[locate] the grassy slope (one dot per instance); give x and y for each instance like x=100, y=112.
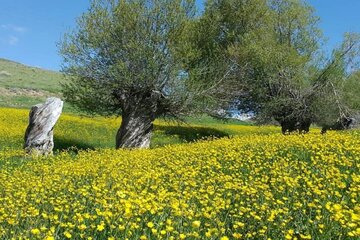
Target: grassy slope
x=23, y=86
x=16, y=75
x=100, y=132
x=254, y=186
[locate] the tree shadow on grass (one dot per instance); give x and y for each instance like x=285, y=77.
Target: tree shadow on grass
x=61, y=144
x=190, y=133
x=184, y=133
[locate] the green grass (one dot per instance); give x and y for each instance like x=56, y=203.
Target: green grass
x=75, y=132
x=208, y=120
x=23, y=86
x=16, y=75
x=19, y=101
x=270, y=186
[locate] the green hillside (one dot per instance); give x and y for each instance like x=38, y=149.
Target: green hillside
x=23, y=86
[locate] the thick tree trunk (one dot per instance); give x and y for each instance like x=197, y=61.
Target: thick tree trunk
x=302, y=126
x=341, y=124
x=135, y=130
x=138, y=114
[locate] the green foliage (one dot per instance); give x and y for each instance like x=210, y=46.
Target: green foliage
x=351, y=90
x=124, y=50
x=336, y=87
x=277, y=59
x=272, y=49
x=223, y=26
x=266, y=48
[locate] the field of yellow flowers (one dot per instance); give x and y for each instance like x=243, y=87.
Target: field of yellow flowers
x=257, y=184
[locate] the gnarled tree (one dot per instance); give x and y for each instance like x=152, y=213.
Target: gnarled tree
x=281, y=59
x=335, y=87
x=280, y=72
x=124, y=58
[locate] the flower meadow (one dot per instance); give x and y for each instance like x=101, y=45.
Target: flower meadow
x=253, y=183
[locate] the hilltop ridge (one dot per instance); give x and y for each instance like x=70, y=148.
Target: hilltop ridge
x=22, y=86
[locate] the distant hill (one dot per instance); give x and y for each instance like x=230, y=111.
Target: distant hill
x=22, y=86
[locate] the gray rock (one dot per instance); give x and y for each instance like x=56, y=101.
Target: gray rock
x=39, y=133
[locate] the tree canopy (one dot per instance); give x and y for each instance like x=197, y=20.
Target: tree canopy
x=124, y=47
x=281, y=71
x=143, y=59
x=129, y=58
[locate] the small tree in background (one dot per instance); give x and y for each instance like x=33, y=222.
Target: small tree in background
x=269, y=45
x=280, y=70
x=336, y=86
x=224, y=25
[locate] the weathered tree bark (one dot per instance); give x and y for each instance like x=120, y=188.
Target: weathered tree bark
x=135, y=130
x=302, y=126
x=39, y=133
x=293, y=124
x=138, y=114
x=342, y=123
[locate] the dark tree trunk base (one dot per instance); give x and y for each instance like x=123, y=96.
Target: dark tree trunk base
x=342, y=124
x=295, y=126
x=135, y=132
x=138, y=114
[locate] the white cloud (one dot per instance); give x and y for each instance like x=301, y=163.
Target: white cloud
x=9, y=40
x=13, y=28
x=12, y=40
x=11, y=34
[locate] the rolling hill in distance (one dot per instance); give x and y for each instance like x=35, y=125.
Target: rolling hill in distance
x=22, y=86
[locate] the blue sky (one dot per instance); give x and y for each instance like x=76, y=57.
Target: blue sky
x=30, y=29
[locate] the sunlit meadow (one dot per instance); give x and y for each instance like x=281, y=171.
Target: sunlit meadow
x=251, y=183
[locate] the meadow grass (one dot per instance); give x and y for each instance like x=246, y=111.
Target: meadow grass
x=83, y=132
x=16, y=75
x=253, y=183
x=22, y=86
